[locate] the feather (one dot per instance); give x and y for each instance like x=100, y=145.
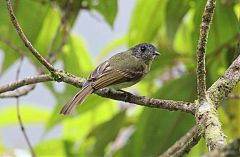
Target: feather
x=78, y=98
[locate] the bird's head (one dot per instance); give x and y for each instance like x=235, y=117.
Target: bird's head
x=145, y=51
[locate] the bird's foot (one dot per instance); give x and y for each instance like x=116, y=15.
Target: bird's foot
x=126, y=95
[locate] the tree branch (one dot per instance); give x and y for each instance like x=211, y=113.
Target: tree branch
x=218, y=91
x=201, y=49
x=188, y=146
x=224, y=85
x=206, y=115
x=27, y=81
x=25, y=40
x=18, y=93
x=232, y=149
x=149, y=102
x=116, y=95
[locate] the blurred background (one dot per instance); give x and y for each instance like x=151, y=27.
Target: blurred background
x=77, y=36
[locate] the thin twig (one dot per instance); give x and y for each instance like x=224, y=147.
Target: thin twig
x=25, y=40
x=188, y=146
x=201, y=49
x=19, y=114
x=27, y=81
x=18, y=93
x=181, y=142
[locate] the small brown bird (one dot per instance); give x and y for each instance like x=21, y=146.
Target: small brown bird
x=120, y=71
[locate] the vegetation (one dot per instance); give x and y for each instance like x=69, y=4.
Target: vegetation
x=106, y=127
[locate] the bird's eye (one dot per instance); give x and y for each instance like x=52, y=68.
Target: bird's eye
x=143, y=48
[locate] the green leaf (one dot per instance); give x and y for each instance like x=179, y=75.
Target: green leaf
x=199, y=150
x=156, y=130
x=80, y=125
x=8, y=59
x=176, y=89
x=106, y=133
x=175, y=11
x=225, y=23
x=76, y=57
x=183, y=42
x=217, y=67
x=108, y=8
x=48, y=31
x=29, y=113
x=28, y=23
x=68, y=145
x=49, y=148
x=147, y=19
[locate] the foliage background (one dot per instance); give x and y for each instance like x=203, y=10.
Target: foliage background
x=103, y=127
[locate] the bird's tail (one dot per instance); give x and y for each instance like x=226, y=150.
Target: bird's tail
x=78, y=98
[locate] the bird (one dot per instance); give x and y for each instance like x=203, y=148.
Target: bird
x=122, y=70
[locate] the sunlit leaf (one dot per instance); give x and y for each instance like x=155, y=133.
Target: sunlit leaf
x=175, y=11
x=199, y=149
x=53, y=147
x=29, y=113
x=147, y=18
x=80, y=125
x=48, y=31
x=93, y=104
x=106, y=133
x=76, y=57
x=183, y=42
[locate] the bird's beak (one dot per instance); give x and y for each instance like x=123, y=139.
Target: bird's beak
x=156, y=53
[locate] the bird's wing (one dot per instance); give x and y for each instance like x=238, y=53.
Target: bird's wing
x=105, y=75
